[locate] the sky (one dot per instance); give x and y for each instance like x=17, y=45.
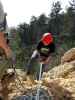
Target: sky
x=19, y=11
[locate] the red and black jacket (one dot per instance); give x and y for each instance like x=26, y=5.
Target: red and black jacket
x=45, y=50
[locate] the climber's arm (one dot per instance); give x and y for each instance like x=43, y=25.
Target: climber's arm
x=34, y=56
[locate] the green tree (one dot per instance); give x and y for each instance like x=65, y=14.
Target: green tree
x=72, y=9
x=55, y=22
x=69, y=20
x=42, y=24
x=38, y=26
x=33, y=30
x=23, y=31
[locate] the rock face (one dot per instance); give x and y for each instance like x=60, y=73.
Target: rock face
x=5, y=54
x=56, y=84
x=68, y=56
x=5, y=46
x=1, y=13
x=61, y=71
x=3, y=21
x=5, y=50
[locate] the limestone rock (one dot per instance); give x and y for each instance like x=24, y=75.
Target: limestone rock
x=68, y=56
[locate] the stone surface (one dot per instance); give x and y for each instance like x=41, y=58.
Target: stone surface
x=56, y=84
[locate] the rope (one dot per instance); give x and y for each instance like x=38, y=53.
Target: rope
x=39, y=84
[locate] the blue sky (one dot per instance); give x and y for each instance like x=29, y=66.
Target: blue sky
x=21, y=10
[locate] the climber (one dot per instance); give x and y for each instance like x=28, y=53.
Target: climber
x=42, y=53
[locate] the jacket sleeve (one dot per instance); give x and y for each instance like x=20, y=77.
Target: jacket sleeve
x=35, y=55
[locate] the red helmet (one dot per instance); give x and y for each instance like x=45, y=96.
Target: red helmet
x=47, y=38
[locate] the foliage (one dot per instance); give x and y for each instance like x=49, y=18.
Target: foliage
x=55, y=21
x=69, y=22
x=60, y=24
